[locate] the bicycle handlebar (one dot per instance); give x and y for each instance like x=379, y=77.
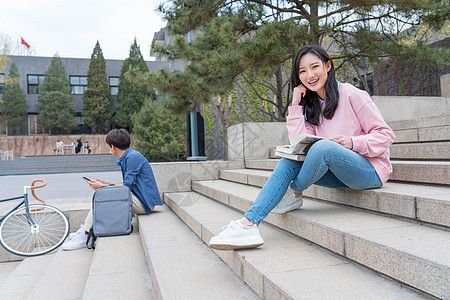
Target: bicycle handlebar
x=33, y=187
x=44, y=183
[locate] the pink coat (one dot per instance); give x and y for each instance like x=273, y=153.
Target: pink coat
x=358, y=117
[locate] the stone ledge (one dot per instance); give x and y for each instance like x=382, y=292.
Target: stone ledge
x=178, y=176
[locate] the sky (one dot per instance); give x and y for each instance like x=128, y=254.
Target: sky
x=72, y=27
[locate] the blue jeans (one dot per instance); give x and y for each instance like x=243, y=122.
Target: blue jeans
x=327, y=164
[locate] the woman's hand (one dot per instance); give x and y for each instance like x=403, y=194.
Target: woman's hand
x=298, y=94
x=343, y=140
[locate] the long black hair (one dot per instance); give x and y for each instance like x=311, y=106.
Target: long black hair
x=310, y=102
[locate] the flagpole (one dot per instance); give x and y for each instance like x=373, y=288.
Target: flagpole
x=22, y=41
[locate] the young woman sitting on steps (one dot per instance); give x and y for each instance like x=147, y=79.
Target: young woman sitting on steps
x=355, y=155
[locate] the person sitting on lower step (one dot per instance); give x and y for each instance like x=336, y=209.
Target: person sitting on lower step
x=355, y=153
x=137, y=176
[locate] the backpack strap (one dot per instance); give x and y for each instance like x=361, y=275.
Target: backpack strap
x=91, y=238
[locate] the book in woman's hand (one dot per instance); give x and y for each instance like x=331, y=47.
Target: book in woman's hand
x=296, y=157
x=300, y=146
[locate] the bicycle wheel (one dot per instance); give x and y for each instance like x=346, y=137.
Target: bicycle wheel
x=49, y=232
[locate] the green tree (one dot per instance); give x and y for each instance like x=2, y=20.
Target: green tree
x=97, y=97
x=14, y=105
x=3, y=61
x=131, y=95
x=256, y=37
x=56, y=108
x=160, y=133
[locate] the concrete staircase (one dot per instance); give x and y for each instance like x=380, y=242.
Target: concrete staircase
x=59, y=164
x=392, y=242
x=115, y=270
x=387, y=243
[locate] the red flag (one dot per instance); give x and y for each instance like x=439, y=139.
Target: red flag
x=25, y=43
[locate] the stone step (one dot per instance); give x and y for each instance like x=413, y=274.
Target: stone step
x=65, y=277
x=435, y=172
x=420, y=135
x=406, y=251
x=421, y=151
x=423, y=203
x=286, y=266
x=119, y=270
x=427, y=129
x=7, y=268
x=21, y=281
x=182, y=266
x=262, y=163
x=423, y=122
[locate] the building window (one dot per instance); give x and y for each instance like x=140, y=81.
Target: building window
x=78, y=84
x=114, y=85
x=33, y=83
x=33, y=127
x=2, y=82
x=3, y=128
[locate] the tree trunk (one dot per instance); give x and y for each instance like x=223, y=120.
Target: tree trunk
x=363, y=79
x=314, y=20
x=279, y=94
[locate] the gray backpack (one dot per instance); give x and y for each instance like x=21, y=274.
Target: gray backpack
x=111, y=209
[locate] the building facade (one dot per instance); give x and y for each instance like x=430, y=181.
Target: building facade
x=32, y=69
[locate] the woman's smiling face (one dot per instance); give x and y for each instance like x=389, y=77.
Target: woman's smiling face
x=313, y=73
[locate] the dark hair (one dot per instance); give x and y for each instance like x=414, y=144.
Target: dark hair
x=120, y=138
x=311, y=103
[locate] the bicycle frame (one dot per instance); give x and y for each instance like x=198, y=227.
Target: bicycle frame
x=45, y=229
x=24, y=201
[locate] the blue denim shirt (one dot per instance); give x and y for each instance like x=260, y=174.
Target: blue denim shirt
x=138, y=177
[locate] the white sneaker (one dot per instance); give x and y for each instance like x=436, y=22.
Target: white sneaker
x=78, y=241
x=80, y=230
x=289, y=202
x=237, y=236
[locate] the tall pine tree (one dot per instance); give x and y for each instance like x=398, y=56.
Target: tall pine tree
x=56, y=109
x=14, y=105
x=131, y=95
x=97, y=97
x=160, y=133
x=256, y=38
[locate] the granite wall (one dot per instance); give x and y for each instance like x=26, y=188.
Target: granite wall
x=27, y=145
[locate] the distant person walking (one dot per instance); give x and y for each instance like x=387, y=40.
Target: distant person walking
x=59, y=147
x=78, y=146
x=87, y=147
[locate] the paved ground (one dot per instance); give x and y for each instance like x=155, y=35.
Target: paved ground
x=59, y=186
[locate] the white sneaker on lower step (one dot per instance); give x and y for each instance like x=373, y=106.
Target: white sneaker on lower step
x=78, y=241
x=81, y=229
x=289, y=202
x=237, y=236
